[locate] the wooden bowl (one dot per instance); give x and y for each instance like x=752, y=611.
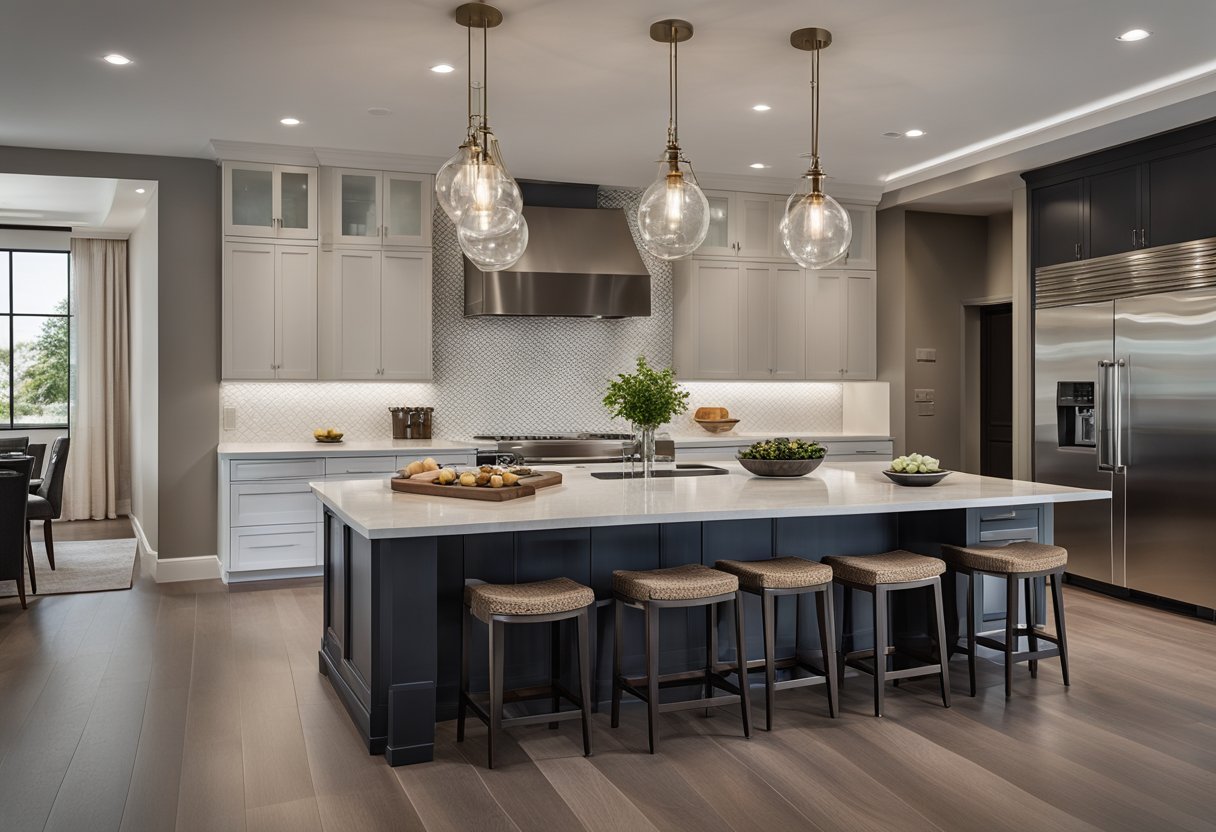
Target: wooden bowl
x=329, y=440
x=717, y=425
x=780, y=467
x=711, y=414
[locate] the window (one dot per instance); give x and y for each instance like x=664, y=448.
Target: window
x=35, y=337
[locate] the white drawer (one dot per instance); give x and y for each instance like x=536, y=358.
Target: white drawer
x=454, y=459
x=337, y=466
x=275, y=469
x=882, y=449
x=275, y=547
x=273, y=503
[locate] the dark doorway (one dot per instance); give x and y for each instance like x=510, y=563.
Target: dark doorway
x=996, y=390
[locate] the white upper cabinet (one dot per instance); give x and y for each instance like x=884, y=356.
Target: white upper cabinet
x=862, y=253
x=270, y=311
x=710, y=319
x=775, y=303
x=376, y=208
x=274, y=201
x=841, y=321
x=377, y=324
x=861, y=326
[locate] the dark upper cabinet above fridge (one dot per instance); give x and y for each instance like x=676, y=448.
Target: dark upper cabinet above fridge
x=1150, y=193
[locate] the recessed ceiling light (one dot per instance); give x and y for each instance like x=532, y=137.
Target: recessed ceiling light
x=759, y=165
x=443, y=69
x=378, y=111
x=289, y=121
x=116, y=59
x=914, y=134
x=1132, y=35
x=761, y=108
x=141, y=190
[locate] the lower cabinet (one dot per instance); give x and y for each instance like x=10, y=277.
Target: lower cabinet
x=275, y=547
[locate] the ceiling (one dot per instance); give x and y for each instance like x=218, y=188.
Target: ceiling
x=81, y=203
x=578, y=90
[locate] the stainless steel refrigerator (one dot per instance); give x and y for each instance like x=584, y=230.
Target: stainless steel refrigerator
x=1125, y=400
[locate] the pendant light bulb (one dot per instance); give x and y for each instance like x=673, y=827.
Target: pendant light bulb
x=816, y=230
x=673, y=214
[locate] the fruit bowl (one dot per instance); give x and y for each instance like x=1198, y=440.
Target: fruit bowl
x=902, y=478
x=327, y=435
x=329, y=440
x=717, y=425
x=780, y=467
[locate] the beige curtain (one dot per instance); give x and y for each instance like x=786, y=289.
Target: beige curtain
x=98, y=480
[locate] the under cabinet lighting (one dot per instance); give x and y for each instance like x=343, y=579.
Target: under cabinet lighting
x=1133, y=35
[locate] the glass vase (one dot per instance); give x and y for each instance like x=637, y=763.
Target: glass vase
x=646, y=448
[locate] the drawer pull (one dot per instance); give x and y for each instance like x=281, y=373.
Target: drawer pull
x=868, y=452
x=274, y=546
x=1009, y=515
x=1010, y=534
x=353, y=471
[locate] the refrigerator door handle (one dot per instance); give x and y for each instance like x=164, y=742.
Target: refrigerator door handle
x=1118, y=369
x=1103, y=418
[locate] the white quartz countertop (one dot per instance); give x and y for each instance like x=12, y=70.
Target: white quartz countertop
x=405, y=447
x=373, y=510
x=704, y=439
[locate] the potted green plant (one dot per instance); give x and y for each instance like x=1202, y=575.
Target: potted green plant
x=646, y=398
x=782, y=457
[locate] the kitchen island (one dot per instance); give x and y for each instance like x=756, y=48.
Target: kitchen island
x=395, y=567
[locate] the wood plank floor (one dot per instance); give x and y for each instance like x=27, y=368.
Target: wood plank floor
x=189, y=706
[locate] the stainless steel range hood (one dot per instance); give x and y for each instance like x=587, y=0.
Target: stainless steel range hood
x=580, y=262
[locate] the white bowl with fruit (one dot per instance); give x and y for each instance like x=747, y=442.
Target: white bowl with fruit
x=916, y=469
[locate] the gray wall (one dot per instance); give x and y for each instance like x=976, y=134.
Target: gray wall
x=189, y=308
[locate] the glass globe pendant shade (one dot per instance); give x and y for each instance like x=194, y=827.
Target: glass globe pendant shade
x=453, y=188
x=493, y=251
x=816, y=230
x=673, y=215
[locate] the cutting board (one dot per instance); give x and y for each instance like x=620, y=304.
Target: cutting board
x=526, y=487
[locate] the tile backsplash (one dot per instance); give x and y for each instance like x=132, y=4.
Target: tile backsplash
x=521, y=375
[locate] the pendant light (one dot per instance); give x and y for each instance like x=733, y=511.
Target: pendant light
x=474, y=187
x=816, y=230
x=673, y=216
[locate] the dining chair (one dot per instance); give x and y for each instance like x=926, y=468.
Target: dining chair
x=8, y=444
x=38, y=451
x=47, y=503
x=14, y=531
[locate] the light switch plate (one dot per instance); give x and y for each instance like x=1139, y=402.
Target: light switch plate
x=926, y=354
x=924, y=408
x=923, y=394
x=229, y=418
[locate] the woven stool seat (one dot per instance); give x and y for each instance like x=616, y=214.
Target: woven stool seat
x=777, y=573
x=676, y=583
x=1011, y=559
x=888, y=568
x=538, y=598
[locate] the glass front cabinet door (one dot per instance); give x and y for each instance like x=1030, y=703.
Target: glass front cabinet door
x=379, y=208
x=262, y=200
x=407, y=209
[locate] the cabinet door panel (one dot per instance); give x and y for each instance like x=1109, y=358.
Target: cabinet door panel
x=249, y=310
x=861, y=253
x=756, y=233
x=249, y=199
x=787, y=288
x=1180, y=198
x=296, y=311
x=357, y=291
x=718, y=312
x=357, y=199
x=405, y=315
x=1114, y=212
x=861, y=313
x=407, y=209
x=296, y=202
x=757, y=309
x=720, y=239
x=825, y=306
x=1058, y=212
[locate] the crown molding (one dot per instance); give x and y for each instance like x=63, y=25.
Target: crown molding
x=274, y=154
x=843, y=191
x=370, y=160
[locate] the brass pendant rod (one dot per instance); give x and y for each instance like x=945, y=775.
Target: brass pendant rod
x=673, y=100
x=815, y=109
x=469, y=69
x=485, y=74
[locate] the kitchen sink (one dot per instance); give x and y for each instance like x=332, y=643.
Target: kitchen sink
x=682, y=469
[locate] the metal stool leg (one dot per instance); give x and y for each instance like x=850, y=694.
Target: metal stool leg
x=768, y=603
x=555, y=667
x=462, y=699
x=711, y=648
x=943, y=653
x=1030, y=617
x=827, y=640
x=971, y=628
x=1057, y=601
x=846, y=637
x=652, y=674
x=1011, y=619
x=618, y=628
x=584, y=675
x=497, y=653
x=880, y=647
x=745, y=703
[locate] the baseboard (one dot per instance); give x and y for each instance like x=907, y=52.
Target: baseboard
x=145, y=548
x=169, y=570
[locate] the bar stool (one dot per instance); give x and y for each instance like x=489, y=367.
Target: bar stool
x=652, y=591
x=881, y=575
x=770, y=579
x=1021, y=561
x=498, y=605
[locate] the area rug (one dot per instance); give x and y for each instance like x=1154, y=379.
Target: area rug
x=80, y=566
